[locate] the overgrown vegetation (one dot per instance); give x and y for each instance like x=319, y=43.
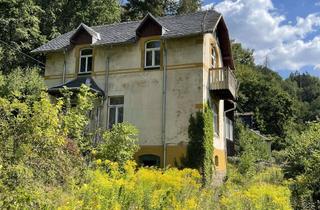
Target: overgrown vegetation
x=200, y=146
x=283, y=110
x=47, y=159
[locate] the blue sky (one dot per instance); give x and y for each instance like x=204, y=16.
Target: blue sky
x=285, y=31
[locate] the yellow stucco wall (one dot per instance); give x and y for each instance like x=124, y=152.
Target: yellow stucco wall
x=174, y=153
x=187, y=89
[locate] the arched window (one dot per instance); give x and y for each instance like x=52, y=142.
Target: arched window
x=149, y=160
x=85, y=61
x=152, y=54
x=213, y=57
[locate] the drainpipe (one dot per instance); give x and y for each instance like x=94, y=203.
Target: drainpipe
x=64, y=65
x=106, y=81
x=164, y=104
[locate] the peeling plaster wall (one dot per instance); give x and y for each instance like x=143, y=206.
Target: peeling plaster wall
x=187, y=85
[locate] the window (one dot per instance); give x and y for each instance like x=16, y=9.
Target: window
x=229, y=129
x=115, y=110
x=85, y=61
x=215, y=119
x=149, y=160
x=213, y=57
x=152, y=54
x=216, y=160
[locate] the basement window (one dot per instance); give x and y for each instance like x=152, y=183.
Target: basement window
x=85, y=61
x=149, y=160
x=152, y=54
x=115, y=110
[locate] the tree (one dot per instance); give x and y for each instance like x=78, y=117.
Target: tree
x=20, y=33
x=119, y=144
x=302, y=158
x=241, y=55
x=37, y=150
x=61, y=16
x=137, y=9
x=188, y=6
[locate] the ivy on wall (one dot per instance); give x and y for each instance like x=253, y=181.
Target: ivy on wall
x=200, y=146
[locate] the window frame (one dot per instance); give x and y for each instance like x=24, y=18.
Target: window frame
x=117, y=107
x=213, y=58
x=153, y=50
x=215, y=112
x=86, y=57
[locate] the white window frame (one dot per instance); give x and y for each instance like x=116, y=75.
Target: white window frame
x=215, y=113
x=86, y=57
x=153, y=50
x=117, y=106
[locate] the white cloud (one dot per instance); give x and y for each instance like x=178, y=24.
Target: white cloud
x=317, y=3
x=258, y=25
x=207, y=6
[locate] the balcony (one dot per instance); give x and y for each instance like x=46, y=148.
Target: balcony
x=223, y=83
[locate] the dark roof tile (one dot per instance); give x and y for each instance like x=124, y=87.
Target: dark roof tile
x=118, y=33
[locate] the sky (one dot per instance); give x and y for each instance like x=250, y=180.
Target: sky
x=287, y=32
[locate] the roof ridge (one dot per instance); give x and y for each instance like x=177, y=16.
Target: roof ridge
x=159, y=18
x=117, y=23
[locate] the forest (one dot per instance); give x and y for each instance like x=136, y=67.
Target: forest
x=47, y=161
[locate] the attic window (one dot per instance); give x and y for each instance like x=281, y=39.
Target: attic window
x=85, y=61
x=152, y=54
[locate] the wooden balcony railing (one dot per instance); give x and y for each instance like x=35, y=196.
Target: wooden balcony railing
x=223, y=80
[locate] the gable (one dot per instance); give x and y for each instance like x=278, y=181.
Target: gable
x=81, y=37
x=225, y=46
x=149, y=27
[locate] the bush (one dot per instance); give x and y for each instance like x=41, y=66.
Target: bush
x=200, y=147
x=145, y=188
x=119, y=144
x=266, y=190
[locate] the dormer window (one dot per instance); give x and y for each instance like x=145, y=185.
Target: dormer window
x=85, y=61
x=152, y=54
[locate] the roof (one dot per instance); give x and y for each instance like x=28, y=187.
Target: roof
x=119, y=33
x=76, y=84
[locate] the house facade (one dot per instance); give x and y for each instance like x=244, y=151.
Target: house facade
x=153, y=73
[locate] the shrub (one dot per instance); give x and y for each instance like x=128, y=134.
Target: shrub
x=145, y=188
x=266, y=190
x=119, y=144
x=200, y=147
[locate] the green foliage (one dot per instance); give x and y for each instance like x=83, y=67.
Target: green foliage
x=302, y=158
x=67, y=15
x=76, y=118
x=143, y=188
x=137, y=9
x=252, y=149
x=306, y=88
x=119, y=144
x=261, y=92
x=37, y=154
x=19, y=23
x=241, y=55
x=200, y=146
x=188, y=6
x=266, y=190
